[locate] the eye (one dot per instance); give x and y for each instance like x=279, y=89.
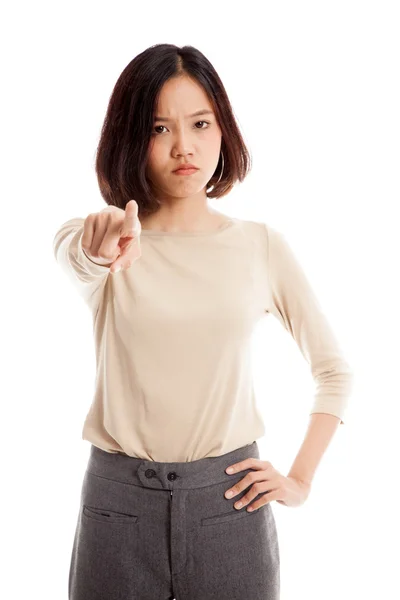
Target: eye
x=156, y=128
x=207, y=122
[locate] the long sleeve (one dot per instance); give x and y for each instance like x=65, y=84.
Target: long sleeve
x=294, y=303
x=87, y=276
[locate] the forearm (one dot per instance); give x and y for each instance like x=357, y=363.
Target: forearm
x=319, y=433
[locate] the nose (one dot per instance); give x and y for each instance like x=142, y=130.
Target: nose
x=182, y=145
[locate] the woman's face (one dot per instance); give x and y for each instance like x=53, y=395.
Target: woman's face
x=178, y=137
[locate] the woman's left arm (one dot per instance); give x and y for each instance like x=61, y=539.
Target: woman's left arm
x=294, y=303
x=318, y=435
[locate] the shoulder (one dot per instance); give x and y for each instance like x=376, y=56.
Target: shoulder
x=261, y=231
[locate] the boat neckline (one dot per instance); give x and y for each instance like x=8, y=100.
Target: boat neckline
x=227, y=225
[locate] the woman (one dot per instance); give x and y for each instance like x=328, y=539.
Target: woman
x=174, y=404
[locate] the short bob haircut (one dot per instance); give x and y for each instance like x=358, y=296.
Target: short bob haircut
x=124, y=143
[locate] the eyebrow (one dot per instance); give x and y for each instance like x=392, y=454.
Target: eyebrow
x=196, y=114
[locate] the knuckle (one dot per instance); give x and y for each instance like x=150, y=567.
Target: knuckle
x=116, y=214
x=89, y=220
x=107, y=210
x=105, y=254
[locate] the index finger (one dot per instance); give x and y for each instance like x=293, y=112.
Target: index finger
x=131, y=224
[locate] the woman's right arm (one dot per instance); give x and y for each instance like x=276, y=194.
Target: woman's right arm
x=89, y=249
x=87, y=276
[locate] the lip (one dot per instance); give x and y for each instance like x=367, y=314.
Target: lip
x=185, y=171
x=186, y=167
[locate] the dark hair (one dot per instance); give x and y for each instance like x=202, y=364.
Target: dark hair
x=124, y=143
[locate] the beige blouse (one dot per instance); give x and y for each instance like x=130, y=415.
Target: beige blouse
x=172, y=337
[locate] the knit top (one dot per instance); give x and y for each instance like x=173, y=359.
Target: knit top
x=173, y=334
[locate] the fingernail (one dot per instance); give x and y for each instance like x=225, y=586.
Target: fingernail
x=117, y=269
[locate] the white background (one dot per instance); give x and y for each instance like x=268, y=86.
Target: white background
x=315, y=89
